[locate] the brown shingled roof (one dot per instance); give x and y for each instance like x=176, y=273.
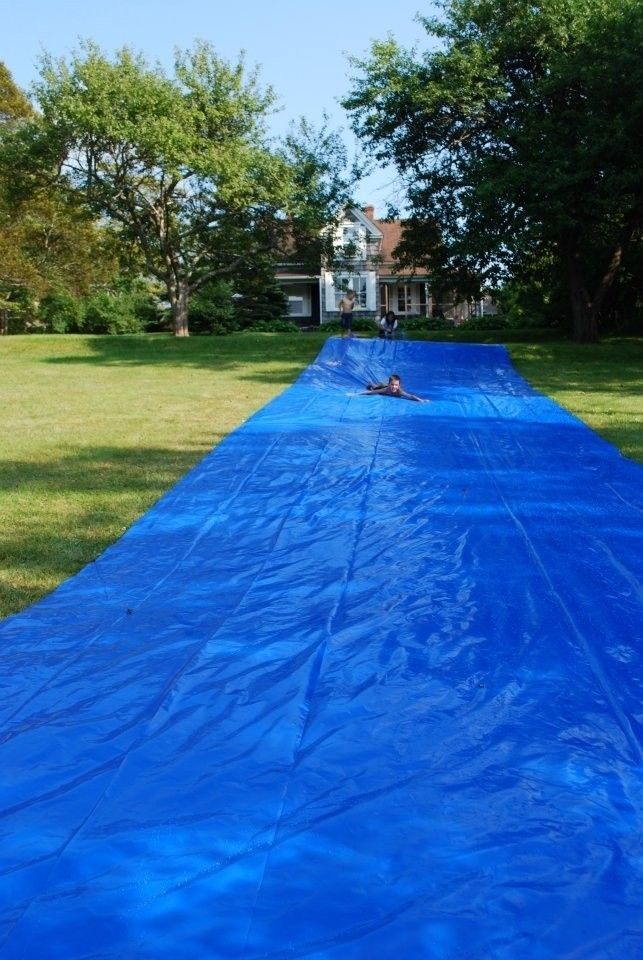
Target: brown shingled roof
x=392, y=231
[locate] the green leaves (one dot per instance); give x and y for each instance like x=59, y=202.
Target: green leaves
x=182, y=164
x=518, y=131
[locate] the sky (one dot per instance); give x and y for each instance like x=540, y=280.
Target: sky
x=302, y=48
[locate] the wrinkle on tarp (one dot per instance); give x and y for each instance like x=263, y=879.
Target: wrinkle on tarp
x=366, y=683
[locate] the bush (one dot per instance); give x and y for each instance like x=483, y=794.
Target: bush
x=359, y=324
x=112, y=313
x=532, y=304
x=19, y=313
x=258, y=296
x=211, y=309
x=274, y=326
x=62, y=313
x=485, y=323
x=425, y=323
x=146, y=306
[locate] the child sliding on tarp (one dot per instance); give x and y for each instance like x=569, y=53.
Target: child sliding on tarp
x=392, y=389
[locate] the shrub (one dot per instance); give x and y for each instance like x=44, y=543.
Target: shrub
x=359, y=324
x=62, y=313
x=485, y=323
x=425, y=323
x=274, y=326
x=18, y=313
x=258, y=297
x=112, y=313
x=211, y=309
x=146, y=306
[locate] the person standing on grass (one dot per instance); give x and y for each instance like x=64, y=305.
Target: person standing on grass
x=346, y=307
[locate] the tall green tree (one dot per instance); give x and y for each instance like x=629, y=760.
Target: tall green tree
x=183, y=165
x=16, y=273
x=519, y=136
x=48, y=240
x=14, y=103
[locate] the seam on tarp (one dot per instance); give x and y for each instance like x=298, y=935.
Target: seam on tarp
x=629, y=578
x=315, y=672
x=628, y=503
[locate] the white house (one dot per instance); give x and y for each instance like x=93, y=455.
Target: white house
x=378, y=283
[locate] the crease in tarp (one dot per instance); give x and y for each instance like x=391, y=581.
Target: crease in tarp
x=556, y=594
x=309, y=695
x=365, y=683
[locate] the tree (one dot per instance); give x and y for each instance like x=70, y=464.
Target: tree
x=48, y=242
x=519, y=137
x=14, y=104
x=182, y=164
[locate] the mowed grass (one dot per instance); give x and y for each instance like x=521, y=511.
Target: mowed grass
x=601, y=383
x=95, y=429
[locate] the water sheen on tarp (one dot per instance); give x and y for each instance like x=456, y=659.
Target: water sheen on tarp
x=367, y=683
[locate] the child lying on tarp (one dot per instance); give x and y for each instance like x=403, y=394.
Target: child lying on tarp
x=392, y=389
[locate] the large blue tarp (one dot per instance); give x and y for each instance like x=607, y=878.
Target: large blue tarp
x=367, y=683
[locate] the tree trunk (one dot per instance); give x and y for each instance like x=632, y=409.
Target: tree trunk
x=585, y=309
x=584, y=316
x=4, y=322
x=179, y=303
x=585, y=321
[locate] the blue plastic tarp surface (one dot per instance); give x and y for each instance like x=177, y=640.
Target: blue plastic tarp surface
x=367, y=683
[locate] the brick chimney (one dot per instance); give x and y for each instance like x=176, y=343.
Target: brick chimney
x=369, y=211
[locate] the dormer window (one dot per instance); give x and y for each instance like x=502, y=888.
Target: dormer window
x=355, y=236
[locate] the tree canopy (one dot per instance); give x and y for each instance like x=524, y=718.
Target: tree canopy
x=48, y=240
x=183, y=165
x=519, y=137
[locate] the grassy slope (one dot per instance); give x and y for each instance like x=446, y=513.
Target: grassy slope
x=95, y=429
x=601, y=383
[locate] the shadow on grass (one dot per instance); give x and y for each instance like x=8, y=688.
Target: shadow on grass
x=213, y=353
x=605, y=367
x=628, y=437
x=64, y=513
x=555, y=360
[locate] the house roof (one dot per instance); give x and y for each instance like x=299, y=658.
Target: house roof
x=392, y=232
x=387, y=232
x=364, y=217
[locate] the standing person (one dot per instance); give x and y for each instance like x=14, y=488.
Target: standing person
x=388, y=326
x=392, y=389
x=346, y=307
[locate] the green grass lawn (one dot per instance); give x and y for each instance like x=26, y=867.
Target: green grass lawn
x=95, y=429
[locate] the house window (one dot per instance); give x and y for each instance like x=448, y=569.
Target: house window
x=363, y=284
x=347, y=282
x=355, y=236
x=298, y=301
x=411, y=298
x=404, y=300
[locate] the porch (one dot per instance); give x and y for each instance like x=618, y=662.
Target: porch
x=406, y=298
